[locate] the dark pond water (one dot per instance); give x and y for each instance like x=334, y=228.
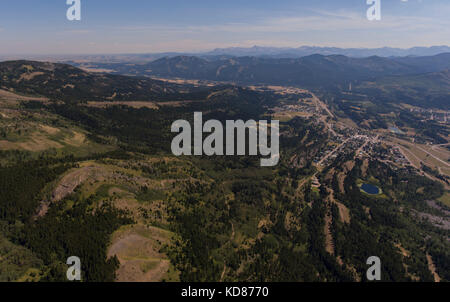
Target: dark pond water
x=370, y=189
x=396, y=130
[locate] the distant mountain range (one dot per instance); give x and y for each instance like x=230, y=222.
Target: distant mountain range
x=415, y=80
x=255, y=51
x=275, y=52
x=311, y=71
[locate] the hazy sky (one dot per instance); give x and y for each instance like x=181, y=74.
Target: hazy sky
x=141, y=26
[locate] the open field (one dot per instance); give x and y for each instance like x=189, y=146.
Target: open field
x=12, y=96
x=288, y=115
x=445, y=199
x=432, y=156
x=37, y=131
x=138, y=250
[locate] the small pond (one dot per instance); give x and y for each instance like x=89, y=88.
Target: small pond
x=396, y=130
x=370, y=189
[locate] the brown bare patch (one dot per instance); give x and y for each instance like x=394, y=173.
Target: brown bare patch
x=97, y=70
x=364, y=167
x=367, y=211
x=133, y=104
x=432, y=268
x=50, y=130
x=36, y=143
x=29, y=76
x=344, y=212
x=349, y=165
x=76, y=140
x=73, y=179
x=137, y=249
x=10, y=95
x=341, y=178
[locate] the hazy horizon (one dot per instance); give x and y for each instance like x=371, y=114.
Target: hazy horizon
x=136, y=27
x=206, y=51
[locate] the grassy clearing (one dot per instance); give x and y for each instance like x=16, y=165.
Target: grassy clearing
x=31, y=275
x=148, y=195
x=445, y=199
x=150, y=265
x=17, y=263
x=286, y=116
x=435, y=158
x=140, y=252
x=37, y=131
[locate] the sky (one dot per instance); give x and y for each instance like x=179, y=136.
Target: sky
x=151, y=26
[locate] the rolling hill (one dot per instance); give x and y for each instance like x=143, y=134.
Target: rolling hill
x=66, y=82
x=424, y=90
